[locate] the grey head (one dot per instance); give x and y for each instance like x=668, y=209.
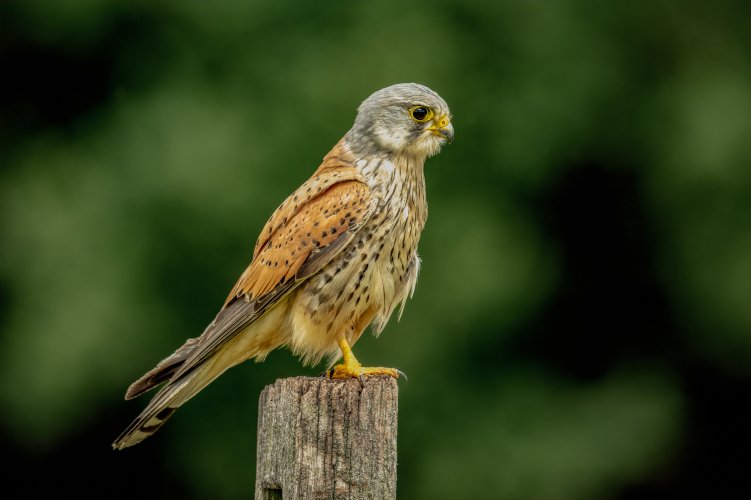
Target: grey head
x=403, y=119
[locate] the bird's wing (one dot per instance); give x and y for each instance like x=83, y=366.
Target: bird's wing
x=326, y=210
x=306, y=232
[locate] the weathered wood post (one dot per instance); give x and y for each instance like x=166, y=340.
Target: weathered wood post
x=321, y=438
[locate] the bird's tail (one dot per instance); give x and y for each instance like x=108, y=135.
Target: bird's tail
x=162, y=371
x=164, y=403
x=185, y=373
x=151, y=418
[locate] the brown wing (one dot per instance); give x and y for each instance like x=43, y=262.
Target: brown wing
x=300, y=231
x=303, y=234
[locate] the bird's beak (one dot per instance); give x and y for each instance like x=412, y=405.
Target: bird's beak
x=442, y=127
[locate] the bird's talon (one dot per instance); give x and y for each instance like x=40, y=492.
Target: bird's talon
x=344, y=371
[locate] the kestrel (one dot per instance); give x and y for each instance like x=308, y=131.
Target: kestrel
x=336, y=256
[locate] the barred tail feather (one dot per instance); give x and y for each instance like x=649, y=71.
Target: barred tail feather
x=159, y=409
x=194, y=366
x=163, y=371
x=165, y=402
x=174, y=394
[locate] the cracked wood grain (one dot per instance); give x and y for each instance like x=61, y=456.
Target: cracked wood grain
x=327, y=439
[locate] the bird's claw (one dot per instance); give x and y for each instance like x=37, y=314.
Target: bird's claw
x=345, y=371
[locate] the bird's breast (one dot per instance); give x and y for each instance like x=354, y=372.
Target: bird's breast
x=374, y=273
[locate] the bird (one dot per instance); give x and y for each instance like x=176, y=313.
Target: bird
x=338, y=255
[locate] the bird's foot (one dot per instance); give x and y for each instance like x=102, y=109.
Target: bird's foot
x=352, y=370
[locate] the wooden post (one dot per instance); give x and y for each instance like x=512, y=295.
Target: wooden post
x=333, y=439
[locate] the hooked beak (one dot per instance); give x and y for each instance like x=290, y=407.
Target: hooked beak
x=443, y=128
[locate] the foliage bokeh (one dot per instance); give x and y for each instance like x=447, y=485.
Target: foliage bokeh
x=581, y=326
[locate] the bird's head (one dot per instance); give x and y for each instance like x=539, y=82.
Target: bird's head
x=406, y=118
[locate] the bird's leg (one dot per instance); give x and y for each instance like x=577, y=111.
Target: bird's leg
x=351, y=368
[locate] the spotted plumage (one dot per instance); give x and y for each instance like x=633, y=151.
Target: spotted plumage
x=336, y=256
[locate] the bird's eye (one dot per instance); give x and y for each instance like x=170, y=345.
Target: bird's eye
x=421, y=113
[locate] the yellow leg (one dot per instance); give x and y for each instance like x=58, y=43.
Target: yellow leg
x=351, y=368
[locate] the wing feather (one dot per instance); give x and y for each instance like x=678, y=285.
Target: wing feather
x=311, y=234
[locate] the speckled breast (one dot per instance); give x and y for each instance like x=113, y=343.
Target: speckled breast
x=377, y=270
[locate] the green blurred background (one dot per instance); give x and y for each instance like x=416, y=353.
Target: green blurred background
x=581, y=328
